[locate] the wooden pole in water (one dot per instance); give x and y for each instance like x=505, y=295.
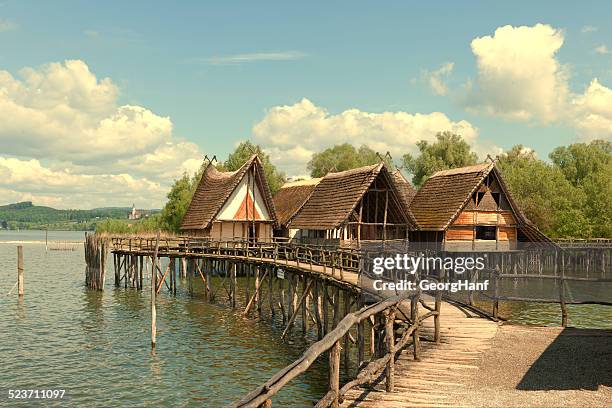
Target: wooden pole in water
x=153, y=294
x=20, y=270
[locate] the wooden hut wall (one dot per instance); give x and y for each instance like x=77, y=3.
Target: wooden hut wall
x=486, y=223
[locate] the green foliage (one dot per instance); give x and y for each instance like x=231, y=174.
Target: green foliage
x=342, y=157
x=243, y=152
x=149, y=224
x=588, y=167
x=447, y=152
x=179, y=198
x=25, y=215
x=544, y=194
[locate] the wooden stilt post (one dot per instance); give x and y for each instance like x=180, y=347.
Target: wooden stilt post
x=303, y=304
x=345, y=346
x=233, y=284
x=20, y=288
x=291, y=290
x=257, y=290
x=316, y=302
x=115, y=265
x=270, y=290
x=325, y=299
x=154, y=294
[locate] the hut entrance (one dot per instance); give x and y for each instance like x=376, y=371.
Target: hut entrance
x=253, y=232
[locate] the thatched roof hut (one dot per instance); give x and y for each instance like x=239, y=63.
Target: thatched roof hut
x=469, y=204
x=238, y=202
x=353, y=205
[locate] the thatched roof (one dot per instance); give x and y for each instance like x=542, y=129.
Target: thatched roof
x=446, y=193
x=407, y=191
x=337, y=195
x=214, y=189
x=291, y=197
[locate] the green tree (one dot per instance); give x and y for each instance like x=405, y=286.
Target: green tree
x=243, y=152
x=179, y=198
x=447, y=152
x=588, y=167
x=342, y=157
x=544, y=194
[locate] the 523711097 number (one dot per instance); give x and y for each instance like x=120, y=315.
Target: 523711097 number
x=36, y=394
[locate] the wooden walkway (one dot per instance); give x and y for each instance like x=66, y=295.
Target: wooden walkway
x=437, y=380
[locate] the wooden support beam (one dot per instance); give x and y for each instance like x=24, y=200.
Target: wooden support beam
x=300, y=304
x=254, y=297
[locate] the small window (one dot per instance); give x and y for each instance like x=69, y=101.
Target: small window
x=497, y=198
x=486, y=233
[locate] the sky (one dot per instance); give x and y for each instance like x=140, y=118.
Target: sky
x=106, y=104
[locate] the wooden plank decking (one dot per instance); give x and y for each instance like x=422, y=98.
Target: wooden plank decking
x=437, y=380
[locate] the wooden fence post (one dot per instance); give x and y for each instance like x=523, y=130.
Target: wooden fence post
x=438, y=307
x=390, y=342
x=562, y=293
x=334, y=373
x=414, y=316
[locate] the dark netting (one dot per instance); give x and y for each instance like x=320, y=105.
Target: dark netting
x=538, y=273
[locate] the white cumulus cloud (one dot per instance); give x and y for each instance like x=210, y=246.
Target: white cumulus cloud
x=292, y=133
x=436, y=79
x=519, y=76
x=70, y=125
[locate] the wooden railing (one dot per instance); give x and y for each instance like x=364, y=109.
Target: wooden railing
x=335, y=261
x=382, y=362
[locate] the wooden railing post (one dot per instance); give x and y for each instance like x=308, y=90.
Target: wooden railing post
x=390, y=342
x=437, y=308
x=334, y=373
x=562, y=293
x=496, y=272
x=414, y=317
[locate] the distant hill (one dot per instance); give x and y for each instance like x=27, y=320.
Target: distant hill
x=25, y=215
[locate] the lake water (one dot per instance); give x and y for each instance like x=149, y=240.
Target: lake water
x=95, y=345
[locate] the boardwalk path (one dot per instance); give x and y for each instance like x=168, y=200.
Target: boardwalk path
x=480, y=363
x=438, y=379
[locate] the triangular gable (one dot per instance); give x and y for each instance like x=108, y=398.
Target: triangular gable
x=241, y=206
x=247, y=210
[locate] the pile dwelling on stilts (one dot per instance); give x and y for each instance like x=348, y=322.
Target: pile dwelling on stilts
x=232, y=206
x=359, y=208
x=470, y=208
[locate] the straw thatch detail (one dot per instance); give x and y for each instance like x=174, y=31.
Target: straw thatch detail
x=406, y=190
x=291, y=197
x=214, y=189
